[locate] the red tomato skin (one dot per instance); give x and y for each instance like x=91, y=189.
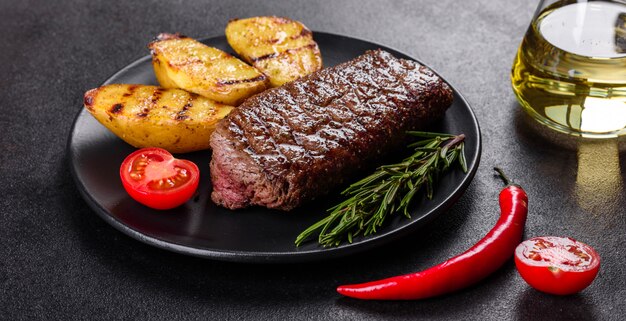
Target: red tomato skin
x=554, y=280
x=163, y=201
x=158, y=199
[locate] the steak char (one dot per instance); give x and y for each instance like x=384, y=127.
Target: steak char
x=293, y=143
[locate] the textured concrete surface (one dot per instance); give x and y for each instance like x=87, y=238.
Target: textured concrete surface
x=58, y=260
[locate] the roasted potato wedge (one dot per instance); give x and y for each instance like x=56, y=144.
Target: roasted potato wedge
x=281, y=48
x=150, y=116
x=182, y=62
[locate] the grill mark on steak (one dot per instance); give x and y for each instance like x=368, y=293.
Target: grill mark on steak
x=255, y=132
x=359, y=100
x=314, y=139
x=290, y=119
x=338, y=112
x=293, y=143
x=282, y=130
x=291, y=116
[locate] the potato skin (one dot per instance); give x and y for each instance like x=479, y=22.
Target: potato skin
x=150, y=116
x=182, y=62
x=281, y=48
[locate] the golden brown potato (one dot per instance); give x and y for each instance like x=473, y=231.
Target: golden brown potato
x=150, y=116
x=283, y=49
x=182, y=62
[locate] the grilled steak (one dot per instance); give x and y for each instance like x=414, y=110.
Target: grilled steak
x=293, y=143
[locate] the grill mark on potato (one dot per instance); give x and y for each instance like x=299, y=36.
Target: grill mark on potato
x=268, y=56
x=182, y=114
x=144, y=112
x=169, y=36
x=153, y=101
x=239, y=81
x=276, y=54
x=131, y=91
x=89, y=98
x=186, y=62
x=156, y=96
x=197, y=61
x=303, y=33
x=117, y=108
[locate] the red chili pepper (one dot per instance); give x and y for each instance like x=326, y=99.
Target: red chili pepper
x=461, y=271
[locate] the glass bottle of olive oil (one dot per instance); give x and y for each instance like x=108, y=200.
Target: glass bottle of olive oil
x=570, y=70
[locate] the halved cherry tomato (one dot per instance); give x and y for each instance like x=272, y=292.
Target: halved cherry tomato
x=153, y=177
x=557, y=265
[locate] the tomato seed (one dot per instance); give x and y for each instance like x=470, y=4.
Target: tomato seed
x=182, y=172
x=535, y=256
x=578, y=252
x=135, y=175
x=543, y=244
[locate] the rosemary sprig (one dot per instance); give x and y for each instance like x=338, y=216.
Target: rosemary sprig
x=389, y=189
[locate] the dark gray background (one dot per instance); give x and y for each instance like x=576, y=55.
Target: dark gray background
x=58, y=260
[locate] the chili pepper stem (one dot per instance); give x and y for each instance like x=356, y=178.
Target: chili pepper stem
x=506, y=180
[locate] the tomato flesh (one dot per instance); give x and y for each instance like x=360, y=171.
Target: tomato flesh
x=153, y=177
x=557, y=265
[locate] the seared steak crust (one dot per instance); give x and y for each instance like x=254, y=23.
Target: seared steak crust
x=296, y=142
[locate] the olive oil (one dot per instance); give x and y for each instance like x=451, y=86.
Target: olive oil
x=570, y=70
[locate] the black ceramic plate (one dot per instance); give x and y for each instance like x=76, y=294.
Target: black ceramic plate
x=200, y=228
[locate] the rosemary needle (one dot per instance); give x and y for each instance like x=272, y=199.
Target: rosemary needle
x=389, y=189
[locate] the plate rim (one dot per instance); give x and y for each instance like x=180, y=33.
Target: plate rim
x=282, y=257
